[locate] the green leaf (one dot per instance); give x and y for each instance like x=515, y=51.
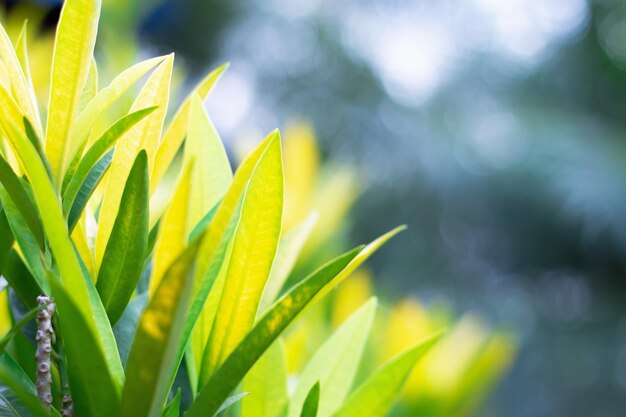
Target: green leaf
x=73, y=49
x=21, y=200
x=126, y=251
x=17, y=327
x=21, y=51
x=86, y=362
x=87, y=188
x=152, y=358
x=6, y=239
x=274, y=322
x=230, y=401
x=21, y=280
x=374, y=397
x=254, y=247
x=173, y=408
x=335, y=363
x=17, y=385
x=143, y=135
x=95, y=153
x=91, y=87
x=287, y=253
x=258, y=340
x=267, y=384
x=125, y=328
x=79, y=286
x=311, y=402
x=27, y=243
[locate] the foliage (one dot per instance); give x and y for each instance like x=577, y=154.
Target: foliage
x=158, y=311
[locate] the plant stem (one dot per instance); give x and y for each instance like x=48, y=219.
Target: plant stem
x=44, y=338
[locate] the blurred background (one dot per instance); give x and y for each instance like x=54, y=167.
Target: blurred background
x=495, y=129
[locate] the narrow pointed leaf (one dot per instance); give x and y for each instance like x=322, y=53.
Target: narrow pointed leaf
x=374, y=397
x=177, y=129
x=152, y=357
x=21, y=51
x=125, y=254
x=24, y=95
x=311, y=402
x=20, y=199
x=91, y=87
x=212, y=174
x=335, y=363
x=73, y=49
x=143, y=135
x=253, y=252
x=104, y=100
x=275, y=321
x=87, y=188
x=173, y=408
x=95, y=154
x=4, y=341
x=172, y=237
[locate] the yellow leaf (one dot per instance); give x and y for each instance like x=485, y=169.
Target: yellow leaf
x=79, y=237
x=212, y=175
x=91, y=87
x=24, y=95
x=144, y=135
x=21, y=50
x=254, y=248
x=210, y=242
x=96, y=107
x=73, y=49
x=173, y=231
x=177, y=129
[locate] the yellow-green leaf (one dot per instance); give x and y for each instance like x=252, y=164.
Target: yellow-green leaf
x=91, y=87
x=267, y=384
x=212, y=174
x=335, y=363
x=289, y=248
x=144, y=135
x=24, y=95
x=374, y=397
x=177, y=129
x=73, y=49
x=152, y=358
x=173, y=231
x=104, y=100
x=253, y=252
x=21, y=50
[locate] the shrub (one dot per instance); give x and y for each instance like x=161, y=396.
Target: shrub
x=143, y=311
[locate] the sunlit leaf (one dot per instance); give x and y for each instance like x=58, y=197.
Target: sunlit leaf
x=177, y=129
x=94, y=163
x=253, y=252
x=143, y=135
x=275, y=321
x=91, y=87
x=73, y=49
x=286, y=256
x=267, y=384
x=335, y=364
x=374, y=397
x=172, y=237
x=104, y=100
x=211, y=175
x=152, y=358
x=126, y=251
x=23, y=93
